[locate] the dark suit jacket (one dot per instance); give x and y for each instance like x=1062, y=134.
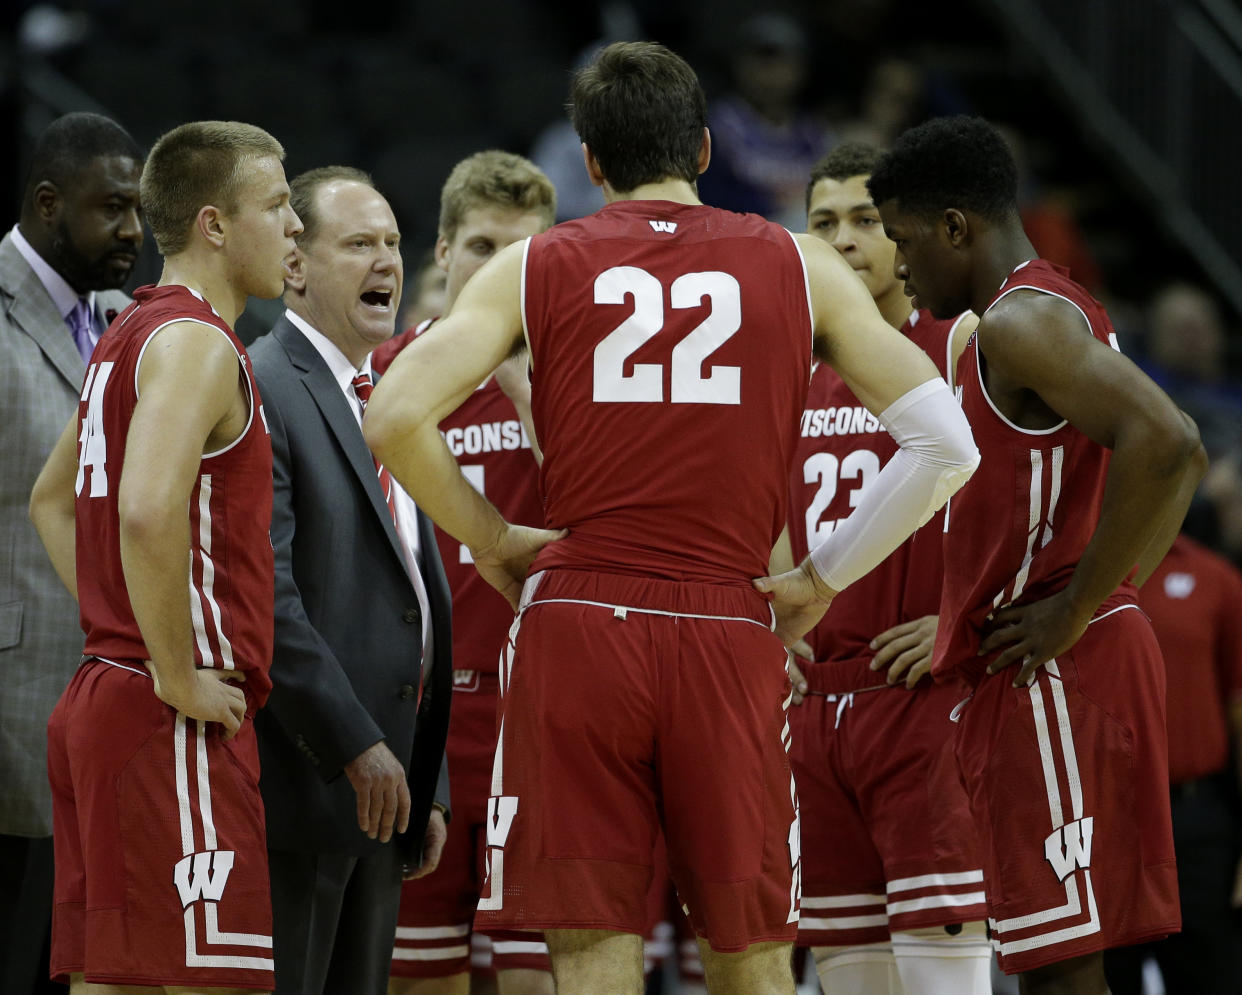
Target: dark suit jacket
x=348, y=630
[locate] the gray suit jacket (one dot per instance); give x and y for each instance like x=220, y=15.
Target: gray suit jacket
x=348, y=645
x=40, y=639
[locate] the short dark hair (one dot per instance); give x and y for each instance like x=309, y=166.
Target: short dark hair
x=196, y=164
x=302, y=193
x=641, y=111
x=846, y=160
x=71, y=142
x=949, y=162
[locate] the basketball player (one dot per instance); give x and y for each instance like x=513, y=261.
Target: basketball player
x=892, y=874
x=161, y=870
x=1087, y=469
x=490, y=200
x=642, y=686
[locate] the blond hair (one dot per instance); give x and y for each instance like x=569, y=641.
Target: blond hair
x=195, y=165
x=495, y=179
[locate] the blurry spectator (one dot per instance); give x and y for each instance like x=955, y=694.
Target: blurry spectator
x=425, y=294
x=893, y=99
x=1186, y=356
x=763, y=143
x=1194, y=600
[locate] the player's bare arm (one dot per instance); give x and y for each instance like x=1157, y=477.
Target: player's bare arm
x=429, y=379
x=52, y=505
x=1043, y=365
x=937, y=451
x=190, y=402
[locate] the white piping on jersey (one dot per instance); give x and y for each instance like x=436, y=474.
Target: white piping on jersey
x=119, y=666
x=522, y=302
x=806, y=285
x=622, y=610
x=206, y=593
x=1033, y=517
x=1039, y=290
x=1073, y=900
x=502, y=948
x=206, y=324
x=843, y=901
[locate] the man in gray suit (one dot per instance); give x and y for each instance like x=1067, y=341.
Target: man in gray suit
x=352, y=739
x=60, y=268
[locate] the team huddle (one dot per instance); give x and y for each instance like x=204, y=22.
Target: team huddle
x=797, y=570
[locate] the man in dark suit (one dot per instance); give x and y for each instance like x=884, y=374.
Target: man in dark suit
x=352, y=739
x=60, y=270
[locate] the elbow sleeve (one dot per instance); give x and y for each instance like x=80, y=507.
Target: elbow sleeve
x=937, y=456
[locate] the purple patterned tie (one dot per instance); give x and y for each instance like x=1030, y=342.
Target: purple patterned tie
x=81, y=324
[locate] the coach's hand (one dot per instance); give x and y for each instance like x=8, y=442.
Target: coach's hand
x=799, y=599
x=383, y=794
x=1032, y=634
x=906, y=649
x=433, y=847
x=211, y=695
x=504, y=562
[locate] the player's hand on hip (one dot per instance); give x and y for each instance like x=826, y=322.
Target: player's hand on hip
x=383, y=794
x=799, y=599
x=433, y=847
x=211, y=696
x=800, y=650
x=504, y=563
x=1032, y=634
x=906, y=649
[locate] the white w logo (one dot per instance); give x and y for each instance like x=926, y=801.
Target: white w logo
x=667, y=226
x=207, y=879
x=1070, y=847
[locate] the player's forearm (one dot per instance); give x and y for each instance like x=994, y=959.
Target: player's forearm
x=1151, y=477
x=937, y=456
x=422, y=463
x=155, y=554
x=53, y=519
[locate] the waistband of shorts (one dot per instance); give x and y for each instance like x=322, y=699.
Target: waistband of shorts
x=649, y=594
x=840, y=676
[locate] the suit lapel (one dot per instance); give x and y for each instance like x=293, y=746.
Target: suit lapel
x=332, y=404
x=31, y=309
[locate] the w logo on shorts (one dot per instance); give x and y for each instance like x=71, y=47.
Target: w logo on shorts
x=1069, y=847
x=203, y=875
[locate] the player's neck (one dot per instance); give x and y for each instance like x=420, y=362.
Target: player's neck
x=225, y=299
x=1001, y=251
x=894, y=305
x=675, y=190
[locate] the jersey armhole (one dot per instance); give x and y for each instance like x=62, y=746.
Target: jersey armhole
x=950, y=366
x=240, y=362
x=530, y=353
x=806, y=286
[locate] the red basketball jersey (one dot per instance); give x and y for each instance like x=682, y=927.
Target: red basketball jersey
x=841, y=448
x=230, y=572
x=487, y=438
x=1019, y=526
x=1194, y=601
x=671, y=351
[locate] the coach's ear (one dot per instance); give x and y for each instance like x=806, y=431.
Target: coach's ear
x=295, y=272
x=705, y=151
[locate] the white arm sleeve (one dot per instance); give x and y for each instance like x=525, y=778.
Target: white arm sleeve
x=937, y=456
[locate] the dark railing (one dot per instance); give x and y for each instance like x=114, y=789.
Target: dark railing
x=1159, y=83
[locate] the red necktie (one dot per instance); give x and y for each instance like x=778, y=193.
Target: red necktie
x=363, y=388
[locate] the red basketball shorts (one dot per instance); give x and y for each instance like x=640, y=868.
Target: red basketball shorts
x=1068, y=782
x=888, y=843
x=161, y=858
x=629, y=703
x=436, y=919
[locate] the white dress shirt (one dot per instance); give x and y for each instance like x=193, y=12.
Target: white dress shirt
x=407, y=512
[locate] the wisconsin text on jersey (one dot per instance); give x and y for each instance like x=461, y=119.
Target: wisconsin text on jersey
x=856, y=420
x=488, y=437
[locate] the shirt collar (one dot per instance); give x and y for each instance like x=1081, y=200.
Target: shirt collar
x=63, y=296
x=343, y=371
